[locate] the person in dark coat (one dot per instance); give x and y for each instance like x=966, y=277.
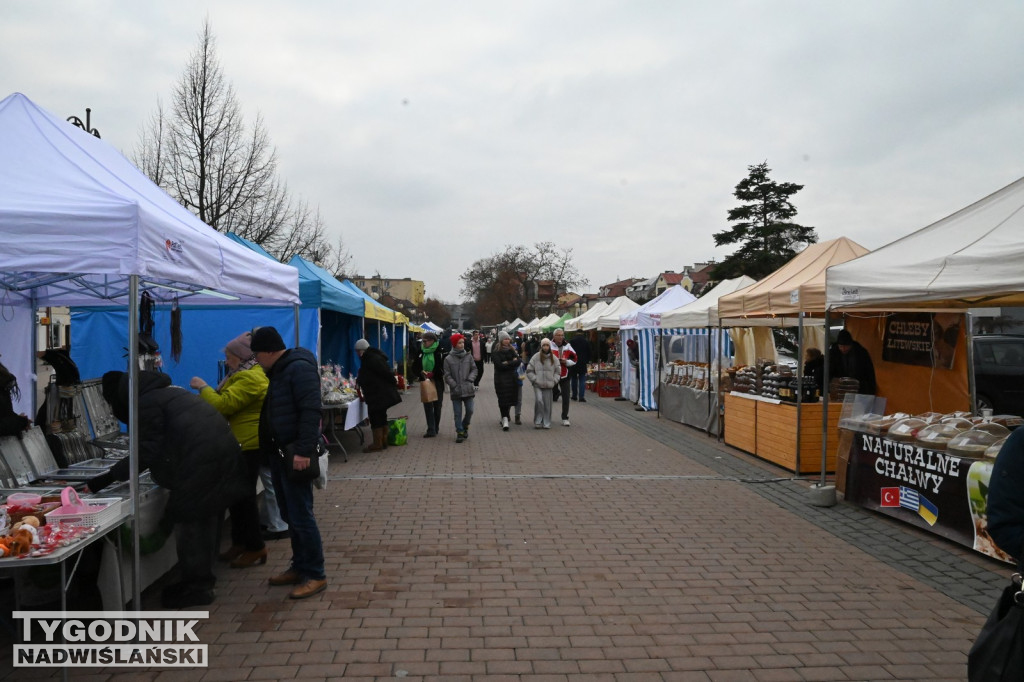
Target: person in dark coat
x=428, y=363
x=11, y=424
x=506, y=361
x=379, y=390
x=847, y=358
x=1005, y=502
x=814, y=367
x=578, y=373
x=290, y=422
x=190, y=450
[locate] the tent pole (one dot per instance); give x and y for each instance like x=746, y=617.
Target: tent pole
x=133, y=435
x=824, y=404
x=721, y=405
x=972, y=384
x=295, y=310
x=707, y=378
x=799, y=386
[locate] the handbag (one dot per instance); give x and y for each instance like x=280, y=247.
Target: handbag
x=320, y=482
x=998, y=653
x=310, y=473
x=428, y=391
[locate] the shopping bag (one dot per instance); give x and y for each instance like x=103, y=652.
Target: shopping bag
x=320, y=482
x=998, y=653
x=428, y=391
x=356, y=414
x=396, y=431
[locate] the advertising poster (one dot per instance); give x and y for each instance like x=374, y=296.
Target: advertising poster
x=939, y=492
x=924, y=339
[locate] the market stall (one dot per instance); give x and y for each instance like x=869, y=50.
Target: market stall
x=643, y=325
x=81, y=225
x=792, y=296
x=681, y=395
x=970, y=259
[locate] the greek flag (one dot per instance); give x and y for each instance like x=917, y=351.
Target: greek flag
x=909, y=499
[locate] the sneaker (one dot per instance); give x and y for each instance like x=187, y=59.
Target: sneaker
x=459, y=437
x=547, y=426
x=537, y=426
x=504, y=423
x=565, y=422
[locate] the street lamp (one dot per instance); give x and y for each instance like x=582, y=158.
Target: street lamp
x=74, y=120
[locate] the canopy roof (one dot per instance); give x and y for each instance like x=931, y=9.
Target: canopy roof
x=77, y=220
x=576, y=323
x=971, y=258
x=610, y=316
x=703, y=312
x=430, y=326
x=372, y=310
x=320, y=289
x=649, y=314
x=796, y=287
x=559, y=323
x=538, y=326
x=514, y=325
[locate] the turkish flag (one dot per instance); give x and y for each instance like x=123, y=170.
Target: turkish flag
x=890, y=497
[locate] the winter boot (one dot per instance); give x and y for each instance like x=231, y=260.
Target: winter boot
x=379, y=436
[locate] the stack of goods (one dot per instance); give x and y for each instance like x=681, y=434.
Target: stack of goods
x=981, y=440
x=775, y=382
x=745, y=380
x=24, y=530
x=335, y=388
x=692, y=374
x=840, y=386
x=957, y=433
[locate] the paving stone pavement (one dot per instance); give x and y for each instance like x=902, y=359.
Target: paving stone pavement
x=625, y=547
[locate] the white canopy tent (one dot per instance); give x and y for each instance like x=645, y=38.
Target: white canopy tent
x=610, y=316
x=576, y=323
x=82, y=225
x=642, y=325
x=649, y=314
x=538, y=326
x=703, y=312
x=969, y=259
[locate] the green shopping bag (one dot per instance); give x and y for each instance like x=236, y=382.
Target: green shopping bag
x=396, y=431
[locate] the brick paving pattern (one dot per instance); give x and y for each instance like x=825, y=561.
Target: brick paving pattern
x=623, y=548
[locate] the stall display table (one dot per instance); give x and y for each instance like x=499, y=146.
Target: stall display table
x=767, y=428
x=332, y=414
x=939, y=492
x=689, y=406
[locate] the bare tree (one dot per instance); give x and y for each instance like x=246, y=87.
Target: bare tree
x=204, y=155
x=500, y=284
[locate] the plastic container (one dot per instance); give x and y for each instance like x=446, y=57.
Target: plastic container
x=937, y=436
x=29, y=499
x=906, y=429
x=974, y=442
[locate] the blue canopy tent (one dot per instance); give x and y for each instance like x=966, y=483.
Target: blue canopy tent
x=329, y=325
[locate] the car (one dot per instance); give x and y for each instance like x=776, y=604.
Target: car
x=999, y=373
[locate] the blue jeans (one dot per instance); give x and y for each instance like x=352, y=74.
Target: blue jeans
x=578, y=384
x=460, y=423
x=296, y=502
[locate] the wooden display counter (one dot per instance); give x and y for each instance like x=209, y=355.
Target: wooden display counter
x=767, y=429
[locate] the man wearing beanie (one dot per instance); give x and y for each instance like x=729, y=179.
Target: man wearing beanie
x=847, y=358
x=290, y=421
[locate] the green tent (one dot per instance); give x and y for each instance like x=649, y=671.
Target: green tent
x=560, y=324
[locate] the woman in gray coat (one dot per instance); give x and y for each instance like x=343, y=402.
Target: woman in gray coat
x=543, y=372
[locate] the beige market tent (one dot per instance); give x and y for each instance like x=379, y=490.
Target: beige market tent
x=797, y=287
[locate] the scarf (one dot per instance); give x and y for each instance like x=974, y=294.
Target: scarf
x=248, y=364
x=429, y=361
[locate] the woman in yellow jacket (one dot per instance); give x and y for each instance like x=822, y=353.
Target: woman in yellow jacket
x=239, y=397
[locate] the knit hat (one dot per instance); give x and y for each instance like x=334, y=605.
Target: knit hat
x=503, y=335
x=456, y=338
x=844, y=338
x=362, y=344
x=266, y=340
x=240, y=346
x=545, y=342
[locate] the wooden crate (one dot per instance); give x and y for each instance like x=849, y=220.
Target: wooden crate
x=777, y=436
x=741, y=422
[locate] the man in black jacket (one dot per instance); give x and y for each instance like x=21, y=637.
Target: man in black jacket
x=189, y=449
x=847, y=358
x=578, y=373
x=291, y=421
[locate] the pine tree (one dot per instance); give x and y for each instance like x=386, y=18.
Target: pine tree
x=762, y=226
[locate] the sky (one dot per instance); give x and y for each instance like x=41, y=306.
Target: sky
x=434, y=134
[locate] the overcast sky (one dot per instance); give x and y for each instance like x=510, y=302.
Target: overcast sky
x=432, y=134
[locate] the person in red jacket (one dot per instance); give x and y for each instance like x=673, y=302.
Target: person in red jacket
x=566, y=356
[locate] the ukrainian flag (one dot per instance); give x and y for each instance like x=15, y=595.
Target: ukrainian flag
x=928, y=511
